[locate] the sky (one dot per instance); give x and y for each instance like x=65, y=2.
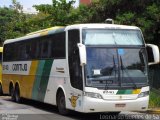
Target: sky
x=28, y=3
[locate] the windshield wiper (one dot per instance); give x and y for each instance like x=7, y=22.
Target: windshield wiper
x=123, y=68
x=113, y=69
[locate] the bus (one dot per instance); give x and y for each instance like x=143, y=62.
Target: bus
x=87, y=68
x=1, y=50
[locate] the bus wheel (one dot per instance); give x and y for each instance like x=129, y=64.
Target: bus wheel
x=11, y=92
x=1, y=91
x=17, y=94
x=61, y=103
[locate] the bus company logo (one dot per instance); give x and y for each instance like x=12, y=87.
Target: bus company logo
x=73, y=100
x=19, y=67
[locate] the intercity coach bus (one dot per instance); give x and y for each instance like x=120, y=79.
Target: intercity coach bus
x=84, y=67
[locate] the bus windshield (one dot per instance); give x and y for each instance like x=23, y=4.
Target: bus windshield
x=110, y=37
x=115, y=66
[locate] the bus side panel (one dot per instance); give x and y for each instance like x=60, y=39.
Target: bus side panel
x=0, y=72
x=41, y=80
x=24, y=76
x=5, y=83
x=27, y=81
x=37, y=79
x=58, y=78
x=44, y=79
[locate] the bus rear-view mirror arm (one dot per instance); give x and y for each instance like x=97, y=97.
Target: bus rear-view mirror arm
x=82, y=53
x=153, y=54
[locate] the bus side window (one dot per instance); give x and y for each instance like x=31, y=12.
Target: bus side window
x=0, y=57
x=12, y=52
x=33, y=49
x=8, y=53
x=39, y=47
x=22, y=51
x=28, y=51
x=74, y=62
x=49, y=55
x=45, y=49
x=58, y=46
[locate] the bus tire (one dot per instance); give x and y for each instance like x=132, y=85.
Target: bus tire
x=1, y=91
x=11, y=92
x=17, y=94
x=61, y=103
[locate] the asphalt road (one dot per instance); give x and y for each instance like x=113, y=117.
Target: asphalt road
x=32, y=110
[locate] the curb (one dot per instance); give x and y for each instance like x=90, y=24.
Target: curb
x=153, y=111
x=150, y=111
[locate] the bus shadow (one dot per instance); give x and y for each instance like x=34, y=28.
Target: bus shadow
x=40, y=105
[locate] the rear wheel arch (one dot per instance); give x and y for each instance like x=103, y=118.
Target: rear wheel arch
x=58, y=91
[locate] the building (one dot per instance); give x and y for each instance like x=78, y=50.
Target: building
x=86, y=2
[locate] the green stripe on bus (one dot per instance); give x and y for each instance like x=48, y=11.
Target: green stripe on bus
x=38, y=79
x=44, y=79
x=124, y=92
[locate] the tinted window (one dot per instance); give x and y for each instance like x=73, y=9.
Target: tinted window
x=74, y=61
x=46, y=47
x=9, y=52
x=0, y=56
x=58, y=45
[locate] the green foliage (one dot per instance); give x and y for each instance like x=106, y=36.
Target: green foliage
x=142, y=13
x=9, y=20
x=154, y=100
x=59, y=13
x=125, y=18
x=84, y=14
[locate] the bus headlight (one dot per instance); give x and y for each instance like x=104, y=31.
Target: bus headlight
x=143, y=94
x=92, y=95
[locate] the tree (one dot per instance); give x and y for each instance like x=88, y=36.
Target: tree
x=7, y=23
x=142, y=13
x=59, y=13
x=17, y=6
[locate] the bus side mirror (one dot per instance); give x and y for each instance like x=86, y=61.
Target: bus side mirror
x=82, y=53
x=153, y=54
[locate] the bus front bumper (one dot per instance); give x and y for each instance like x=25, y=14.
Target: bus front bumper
x=101, y=105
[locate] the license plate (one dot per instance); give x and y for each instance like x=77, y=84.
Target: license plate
x=120, y=105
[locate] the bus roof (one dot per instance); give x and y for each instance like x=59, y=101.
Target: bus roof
x=58, y=29
x=100, y=26
x=36, y=34
x=45, y=30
